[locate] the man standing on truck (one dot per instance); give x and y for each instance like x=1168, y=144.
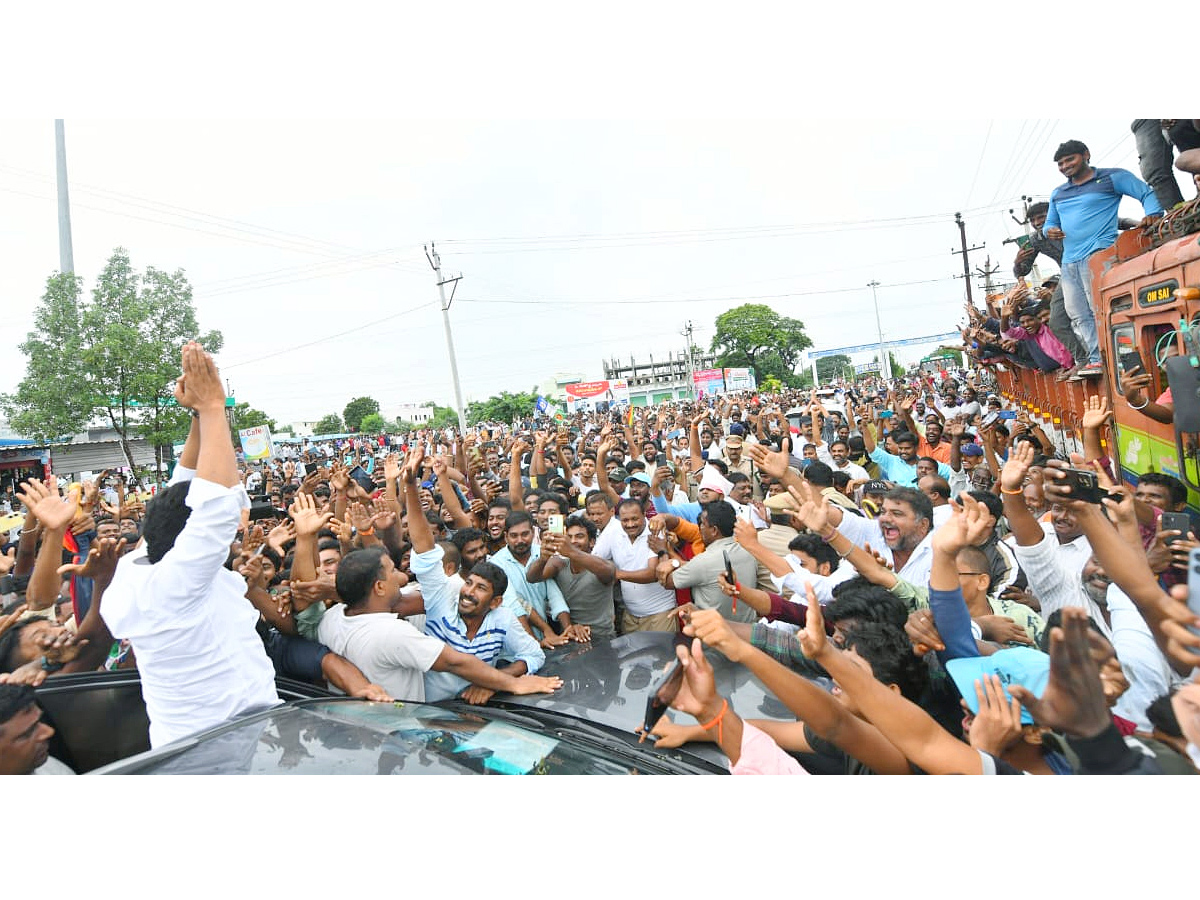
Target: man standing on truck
x=1083, y=215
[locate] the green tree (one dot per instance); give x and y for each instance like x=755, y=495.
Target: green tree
x=373, y=423
x=49, y=404
x=771, y=385
x=331, y=424
x=828, y=368
x=756, y=336
x=123, y=361
x=443, y=417
x=353, y=414
x=504, y=407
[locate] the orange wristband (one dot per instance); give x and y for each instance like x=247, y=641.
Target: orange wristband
x=370, y=531
x=717, y=720
x=1005, y=490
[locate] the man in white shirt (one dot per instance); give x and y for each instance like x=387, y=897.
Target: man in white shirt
x=837, y=457
x=648, y=605
x=193, y=631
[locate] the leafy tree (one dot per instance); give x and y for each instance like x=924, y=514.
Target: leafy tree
x=771, y=385
x=373, y=423
x=331, y=424
x=49, y=404
x=754, y=335
x=356, y=410
x=121, y=363
x=443, y=417
x=828, y=368
x=504, y=407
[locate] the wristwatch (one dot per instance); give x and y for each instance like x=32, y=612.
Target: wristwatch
x=674, y=564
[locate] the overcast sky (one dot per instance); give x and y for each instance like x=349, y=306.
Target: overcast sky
x=577, y=241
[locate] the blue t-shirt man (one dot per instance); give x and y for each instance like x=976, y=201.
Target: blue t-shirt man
x=1086, y=213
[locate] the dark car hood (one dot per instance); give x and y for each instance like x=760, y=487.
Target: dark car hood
x=608, y=683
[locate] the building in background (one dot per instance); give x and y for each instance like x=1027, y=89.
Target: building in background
x=657, y=381
x=417, y=413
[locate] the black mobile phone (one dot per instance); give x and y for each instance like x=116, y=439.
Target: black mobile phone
x=661, y=459
x=1084, y=485
x=1130, y=360
x=362, y=479
x=1177, y=521
x=780, y=518
x=663, y=693
x=728, y=568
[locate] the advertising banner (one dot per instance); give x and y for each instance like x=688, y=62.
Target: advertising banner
x=739, y=380
x=587, y=396
x=709, y=381
x=256, y=442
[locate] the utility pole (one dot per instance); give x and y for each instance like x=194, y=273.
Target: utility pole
x=691, y=380
x=986, y=273
x=66, y=257
x=435, y=262
x=885, y=371
x=965, y=251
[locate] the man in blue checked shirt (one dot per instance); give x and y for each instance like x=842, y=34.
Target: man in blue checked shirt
x=1083, y=215
x=470, y=620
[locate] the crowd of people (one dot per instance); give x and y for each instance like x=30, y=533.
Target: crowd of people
x=1051, y=326
x=925, y=579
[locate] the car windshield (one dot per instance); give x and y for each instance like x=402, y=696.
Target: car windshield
x=325, y=737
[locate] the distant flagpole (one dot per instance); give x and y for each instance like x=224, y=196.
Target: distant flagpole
x=66, y=257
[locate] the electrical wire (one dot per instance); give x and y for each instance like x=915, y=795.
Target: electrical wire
x=979, y=165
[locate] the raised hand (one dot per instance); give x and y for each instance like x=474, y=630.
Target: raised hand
x=997, y=725
x=358, y=516
x=307, y=518
x=1073, y=702
x=101, y=561
x=774, y=463
x=1096, y=412
x=383, y=516
x=54, y=512
x=391, y=467
x=252, y=570
x=278, y=536
x=200, y=386
x=813, y=642
x=1016, y=468
x=922, y=632
x=712, y=628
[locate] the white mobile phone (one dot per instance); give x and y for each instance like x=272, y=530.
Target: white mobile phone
x=554, y=524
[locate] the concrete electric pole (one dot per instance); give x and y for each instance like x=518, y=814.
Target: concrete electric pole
x=66, y=256
x=435, y=262
x=965, y=251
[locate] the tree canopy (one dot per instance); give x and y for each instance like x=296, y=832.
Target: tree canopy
x=357, y=409
x=330, y=424
x=373, y=423
x=115, y=356
x=754, y=335
x=504, y=407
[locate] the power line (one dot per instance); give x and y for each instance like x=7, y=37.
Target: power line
x=642, y=300
x=979, y=164
x=328, y=337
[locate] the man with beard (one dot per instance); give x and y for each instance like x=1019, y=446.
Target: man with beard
x=533, y=603
x=497, y=512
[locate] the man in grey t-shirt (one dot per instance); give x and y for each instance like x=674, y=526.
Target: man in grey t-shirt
x=586, y=581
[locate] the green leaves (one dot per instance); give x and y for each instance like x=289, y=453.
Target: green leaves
x=504, y=407
x=755, y=335
x=88, y=358
x=357, y=409
x=330, y=424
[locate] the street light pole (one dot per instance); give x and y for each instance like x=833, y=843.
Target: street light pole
x=885, y=371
